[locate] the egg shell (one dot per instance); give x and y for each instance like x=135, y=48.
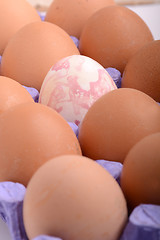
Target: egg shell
x=12, y=93
x=14, y=15
x=73, y=84
x=112, y=35
x=143, y=222
x=71, y=15
x=137, y=230
x=140, y=178
x=142, y=72
x=0, y=64
x=33, y=50
x=31, y=134
x=77, y=198
x=11, y=203
x=116, y=121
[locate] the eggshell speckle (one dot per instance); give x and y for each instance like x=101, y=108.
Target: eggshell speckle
x=112, y=35
x=31, y=134
x=73, y=84
x=140, y=178
x=74, y=198
x=116, y=121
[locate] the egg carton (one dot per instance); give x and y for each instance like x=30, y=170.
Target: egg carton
x=143, y=223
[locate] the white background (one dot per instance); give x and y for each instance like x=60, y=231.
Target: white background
x=150, y=13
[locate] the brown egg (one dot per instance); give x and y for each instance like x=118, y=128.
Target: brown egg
x=33, y=50
x=74, y=198
x=31, y=134
x=0, y=64
x=71, y=15
x=142, y=72
x=140, y=178
x=113, y=35
x=12, y=93
x=14, y=15
x=116, y=121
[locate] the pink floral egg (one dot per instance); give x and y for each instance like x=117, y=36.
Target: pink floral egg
x=73, y=84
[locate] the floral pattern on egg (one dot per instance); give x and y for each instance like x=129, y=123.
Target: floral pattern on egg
x=73, y=84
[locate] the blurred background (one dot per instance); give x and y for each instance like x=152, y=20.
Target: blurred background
x=48, y=2
x=148, y=10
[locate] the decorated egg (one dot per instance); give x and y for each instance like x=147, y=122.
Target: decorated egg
x=73, y=84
